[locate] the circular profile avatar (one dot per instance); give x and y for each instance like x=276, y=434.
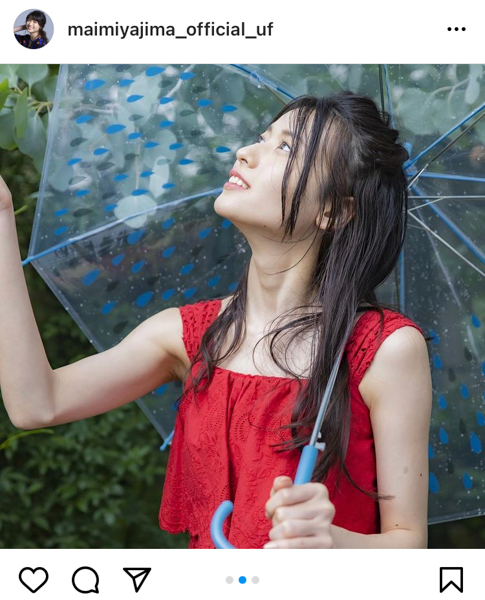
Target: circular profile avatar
x=34, y=24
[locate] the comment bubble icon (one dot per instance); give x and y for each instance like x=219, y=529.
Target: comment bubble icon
x=85, y=580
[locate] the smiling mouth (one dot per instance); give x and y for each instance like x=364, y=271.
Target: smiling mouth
x=238, y=182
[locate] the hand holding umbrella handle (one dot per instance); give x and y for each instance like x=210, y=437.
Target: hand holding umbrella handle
x=303, y=475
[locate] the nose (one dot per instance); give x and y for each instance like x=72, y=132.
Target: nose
x=247, y=154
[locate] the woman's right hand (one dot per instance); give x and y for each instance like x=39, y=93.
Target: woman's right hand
x=20, y=28
x=6, y=203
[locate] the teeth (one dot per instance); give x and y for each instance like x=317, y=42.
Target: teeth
x=238, y=181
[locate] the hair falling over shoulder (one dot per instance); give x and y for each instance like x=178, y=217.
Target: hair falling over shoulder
x=355, y=153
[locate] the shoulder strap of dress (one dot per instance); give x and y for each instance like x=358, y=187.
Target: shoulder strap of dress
x=195, y=320
x=365, y=339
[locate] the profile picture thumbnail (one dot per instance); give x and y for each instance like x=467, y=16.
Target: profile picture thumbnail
x=38, y=28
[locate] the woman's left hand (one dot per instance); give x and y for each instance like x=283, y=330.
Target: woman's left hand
x=301, y=515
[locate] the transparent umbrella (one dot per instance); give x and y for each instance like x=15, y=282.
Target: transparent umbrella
x=125, y=227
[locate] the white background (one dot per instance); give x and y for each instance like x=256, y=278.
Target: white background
x=288, y=575
x=316, y=31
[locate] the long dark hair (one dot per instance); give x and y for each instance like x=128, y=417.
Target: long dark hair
x=39, y=16
x=360, y=159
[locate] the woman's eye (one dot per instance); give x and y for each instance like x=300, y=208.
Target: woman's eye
x=260, y=137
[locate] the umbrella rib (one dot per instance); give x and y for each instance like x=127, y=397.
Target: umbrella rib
x=438, y=237
x=449, y=281
x=462, y=196
x=455, y=229
x=445, y=135
x=445, y=272
x=444, y=149
x=381, y=88
x=388, y=90
x=259, y=77
x=438, y=198
x=453, y=177
x=112, y=224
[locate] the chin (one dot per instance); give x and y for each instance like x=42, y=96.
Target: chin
x=229, y=206
x=221, y=205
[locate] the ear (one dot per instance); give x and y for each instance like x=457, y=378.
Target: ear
x=348, y=206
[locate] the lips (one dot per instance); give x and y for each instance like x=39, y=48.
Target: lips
x=237, y=174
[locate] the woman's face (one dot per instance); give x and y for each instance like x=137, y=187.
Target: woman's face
x=33, y=26
x=262, y=165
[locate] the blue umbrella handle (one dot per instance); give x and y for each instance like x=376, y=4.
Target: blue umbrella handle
x=303, y=475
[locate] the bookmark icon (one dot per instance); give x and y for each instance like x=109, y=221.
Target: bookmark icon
x=451, y=577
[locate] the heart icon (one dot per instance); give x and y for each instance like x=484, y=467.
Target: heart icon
x=33, y=581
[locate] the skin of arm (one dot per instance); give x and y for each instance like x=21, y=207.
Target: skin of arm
x=19, y=28
x=397, y=386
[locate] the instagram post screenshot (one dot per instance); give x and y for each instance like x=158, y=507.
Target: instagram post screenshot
x=242, y=300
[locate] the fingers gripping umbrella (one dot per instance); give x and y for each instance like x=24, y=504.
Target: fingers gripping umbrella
x=124, y=224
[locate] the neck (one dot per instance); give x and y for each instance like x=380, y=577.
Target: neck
x=269, y=294
x=34, y=36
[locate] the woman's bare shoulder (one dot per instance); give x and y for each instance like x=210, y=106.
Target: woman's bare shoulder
x=404, y=351
x=166, y=331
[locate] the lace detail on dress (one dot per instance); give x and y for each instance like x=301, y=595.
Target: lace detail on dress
x=223, y=448
x=195, y=319
x=365, y=340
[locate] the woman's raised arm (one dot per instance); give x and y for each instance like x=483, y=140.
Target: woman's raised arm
x=34, y=394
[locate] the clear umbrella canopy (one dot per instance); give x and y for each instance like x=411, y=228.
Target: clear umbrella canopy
x=125, y=226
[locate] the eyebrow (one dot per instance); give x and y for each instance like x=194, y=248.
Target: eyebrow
x=286, y=132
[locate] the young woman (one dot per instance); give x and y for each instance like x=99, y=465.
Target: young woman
x=321, y=199
x=34, y=25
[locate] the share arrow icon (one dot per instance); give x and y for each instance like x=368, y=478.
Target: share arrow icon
x=138, y=576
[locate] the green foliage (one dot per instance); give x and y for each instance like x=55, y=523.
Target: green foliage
x=26, y=98
x=96, y=483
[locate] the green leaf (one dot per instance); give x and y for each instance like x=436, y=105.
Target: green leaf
x=476, y=71
x=7, y=141
x=10, y=103
x=21, y=113
x=109, y=518
x=41, y=522
x=35, y=486
x=32, y=73
x=415, y=109
x=10, y=71
x=4, y=92
x=472, y=91
x=39, y=162
x=34, y=141
x=3, y=98
x=45, y=89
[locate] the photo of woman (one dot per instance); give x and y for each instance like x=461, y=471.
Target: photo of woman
x=360, y=169
x=34, y=25
x=279, y=265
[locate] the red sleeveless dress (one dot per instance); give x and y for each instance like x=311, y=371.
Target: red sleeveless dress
x=221, y=449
